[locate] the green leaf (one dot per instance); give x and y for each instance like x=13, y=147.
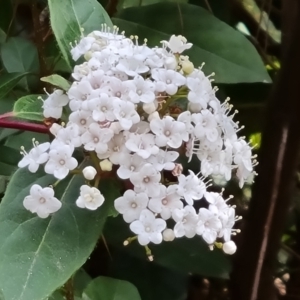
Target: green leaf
x=184, y=255
x=110, y=289
x=169, y=284
x=58, y=81
x=29, y=107
x=42, y=254
x=68, y=17
x=224, y=50
x=8, y=82
x=20, y=55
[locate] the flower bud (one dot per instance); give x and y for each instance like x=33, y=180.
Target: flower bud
x=105, y=165
x=149, y=108
x=154, y=115
x=229, y=247
x=187, y=67
x=54, y=129
x=168, y=235
x=89, y=173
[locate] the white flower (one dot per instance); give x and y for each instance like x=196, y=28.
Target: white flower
x=96, y=138
x=177, y=44
x=90, y=198
x=89, y=173
x=79, y=93
x=190, y=187
x=61, y=161
x=186, y=221
x=146, y=180
x=41, y=201
x=36, y=156
x=130, y=164
x=143, y=92
x=102, y=107
x=142, y=144
x=166, y=201
x=208, y=225
x=148, y=228
x=53, y=105
x=69, y=136
x=168, y=80
x=229, y=247
x=168, y=235
x=131, y=205
x=82, y=47
x=168, y=132
x=82, y=118
x=163, y=160
x=228, y=218
x=126, y=114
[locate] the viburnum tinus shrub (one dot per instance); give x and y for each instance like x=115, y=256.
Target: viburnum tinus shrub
x=122, y=111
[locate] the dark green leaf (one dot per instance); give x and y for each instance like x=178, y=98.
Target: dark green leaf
x=69, y=17
x=184, y=255
x=110, y=289
x=20, y=55
x=58, y=81
x=224, y=50
x=8, y=82
x=42, y=254
x=29, y=107
x=166, y=284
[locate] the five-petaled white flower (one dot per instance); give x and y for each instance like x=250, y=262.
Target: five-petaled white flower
x=90, y=198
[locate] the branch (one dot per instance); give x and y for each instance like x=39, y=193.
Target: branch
x=34, y=127
x=252, y=278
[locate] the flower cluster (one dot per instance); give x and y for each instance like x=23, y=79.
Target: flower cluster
x=121, y=113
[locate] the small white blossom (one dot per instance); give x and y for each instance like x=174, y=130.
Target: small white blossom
x=89, y=173
x=186, y=221
x=90, y=198
x=53, y=105
x=177, y=44
x=148, y=228
x=41, y=201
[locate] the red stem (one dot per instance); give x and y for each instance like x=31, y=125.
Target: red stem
x=41, y=128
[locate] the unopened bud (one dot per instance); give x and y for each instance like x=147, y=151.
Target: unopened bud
x=177, y=170
x=105, y=165
x=229, y=247
x=55, y=128
x=149, y=108
x=187, y=67
x=154, y=115
x=168, y=235
x=89, y=173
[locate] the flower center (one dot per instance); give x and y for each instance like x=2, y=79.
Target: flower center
x=104, y=108
x=116, y=148
x=168, y=81
x=139, y=92
x=164, y=201
x=184, y=220
x=146, y=179
x=122, y=114
x=88, y=198
x=96, y=140
x=83, y=97
x=133, y=205
x=82, y=121
x=167, y=132
x=96, y=86
x=132, y=168
x=148, y=229
x=42, y=200
x=62, y=162
x=118, y=94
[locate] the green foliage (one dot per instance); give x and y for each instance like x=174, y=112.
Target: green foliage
x=20, y=55
x=110, y=289
x=9, y=158
x=39, y=248
x=69, y=17
x=57, y=81
x=224, y=50
x=183, y=255
x=9, y=81
x=29, y=107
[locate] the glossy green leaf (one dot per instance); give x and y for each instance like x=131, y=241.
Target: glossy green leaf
x=110, y=289
x=9, y=81
x=42, y=254
x=20, y=55
x=69, y=17
x=57, y=81
x=29, y=107
x=225, y=51
x=184, y=255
